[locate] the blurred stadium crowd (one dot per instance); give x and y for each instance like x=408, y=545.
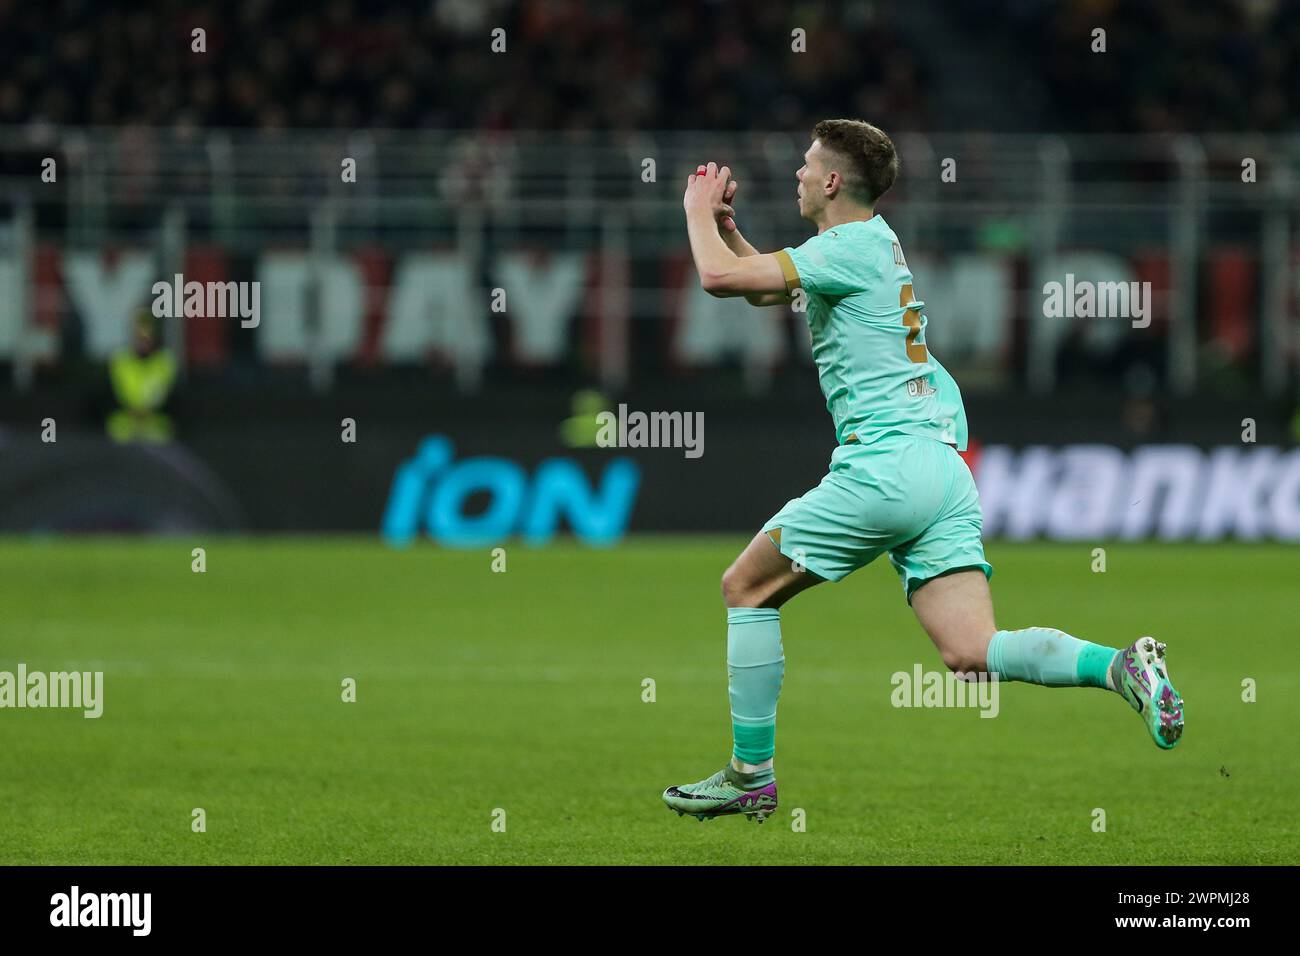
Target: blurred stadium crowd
x=377, y=63
x=1218, y=65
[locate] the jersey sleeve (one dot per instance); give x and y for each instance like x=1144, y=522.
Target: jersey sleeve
x=829, y=264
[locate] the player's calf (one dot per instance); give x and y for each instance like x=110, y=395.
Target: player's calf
x=754, y=587
x=956, y=610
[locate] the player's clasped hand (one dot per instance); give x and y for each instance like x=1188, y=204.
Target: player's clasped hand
x=712, y=188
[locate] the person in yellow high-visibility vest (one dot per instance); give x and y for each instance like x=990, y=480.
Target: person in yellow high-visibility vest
x=142, y=376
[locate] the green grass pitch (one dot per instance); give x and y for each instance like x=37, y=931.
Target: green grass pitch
x=523, y=691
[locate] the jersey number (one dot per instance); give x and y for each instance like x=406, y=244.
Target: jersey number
x=912, y=319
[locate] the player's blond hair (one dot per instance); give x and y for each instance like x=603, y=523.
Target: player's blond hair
x=869, y=152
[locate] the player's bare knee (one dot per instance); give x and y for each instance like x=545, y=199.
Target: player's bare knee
x=735, y=588
x=740, y=589
x=744, y=595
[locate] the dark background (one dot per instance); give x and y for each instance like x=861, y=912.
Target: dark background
x=215, y=162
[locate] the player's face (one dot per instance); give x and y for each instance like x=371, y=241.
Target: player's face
x=811, y=176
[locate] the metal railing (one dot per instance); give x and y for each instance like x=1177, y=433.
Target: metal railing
x=618, y=197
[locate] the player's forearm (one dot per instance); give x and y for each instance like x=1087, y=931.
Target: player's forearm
x=742, y=248
x=713, y=258
x=722, y=272
x=739, y=244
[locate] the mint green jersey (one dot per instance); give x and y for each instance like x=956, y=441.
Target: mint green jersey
x=868, y=337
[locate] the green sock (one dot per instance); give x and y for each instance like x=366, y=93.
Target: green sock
x=755, y=668
x=1044, y=655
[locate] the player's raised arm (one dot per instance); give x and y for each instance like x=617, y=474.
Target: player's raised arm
x=722, y=271
x=741, y=246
